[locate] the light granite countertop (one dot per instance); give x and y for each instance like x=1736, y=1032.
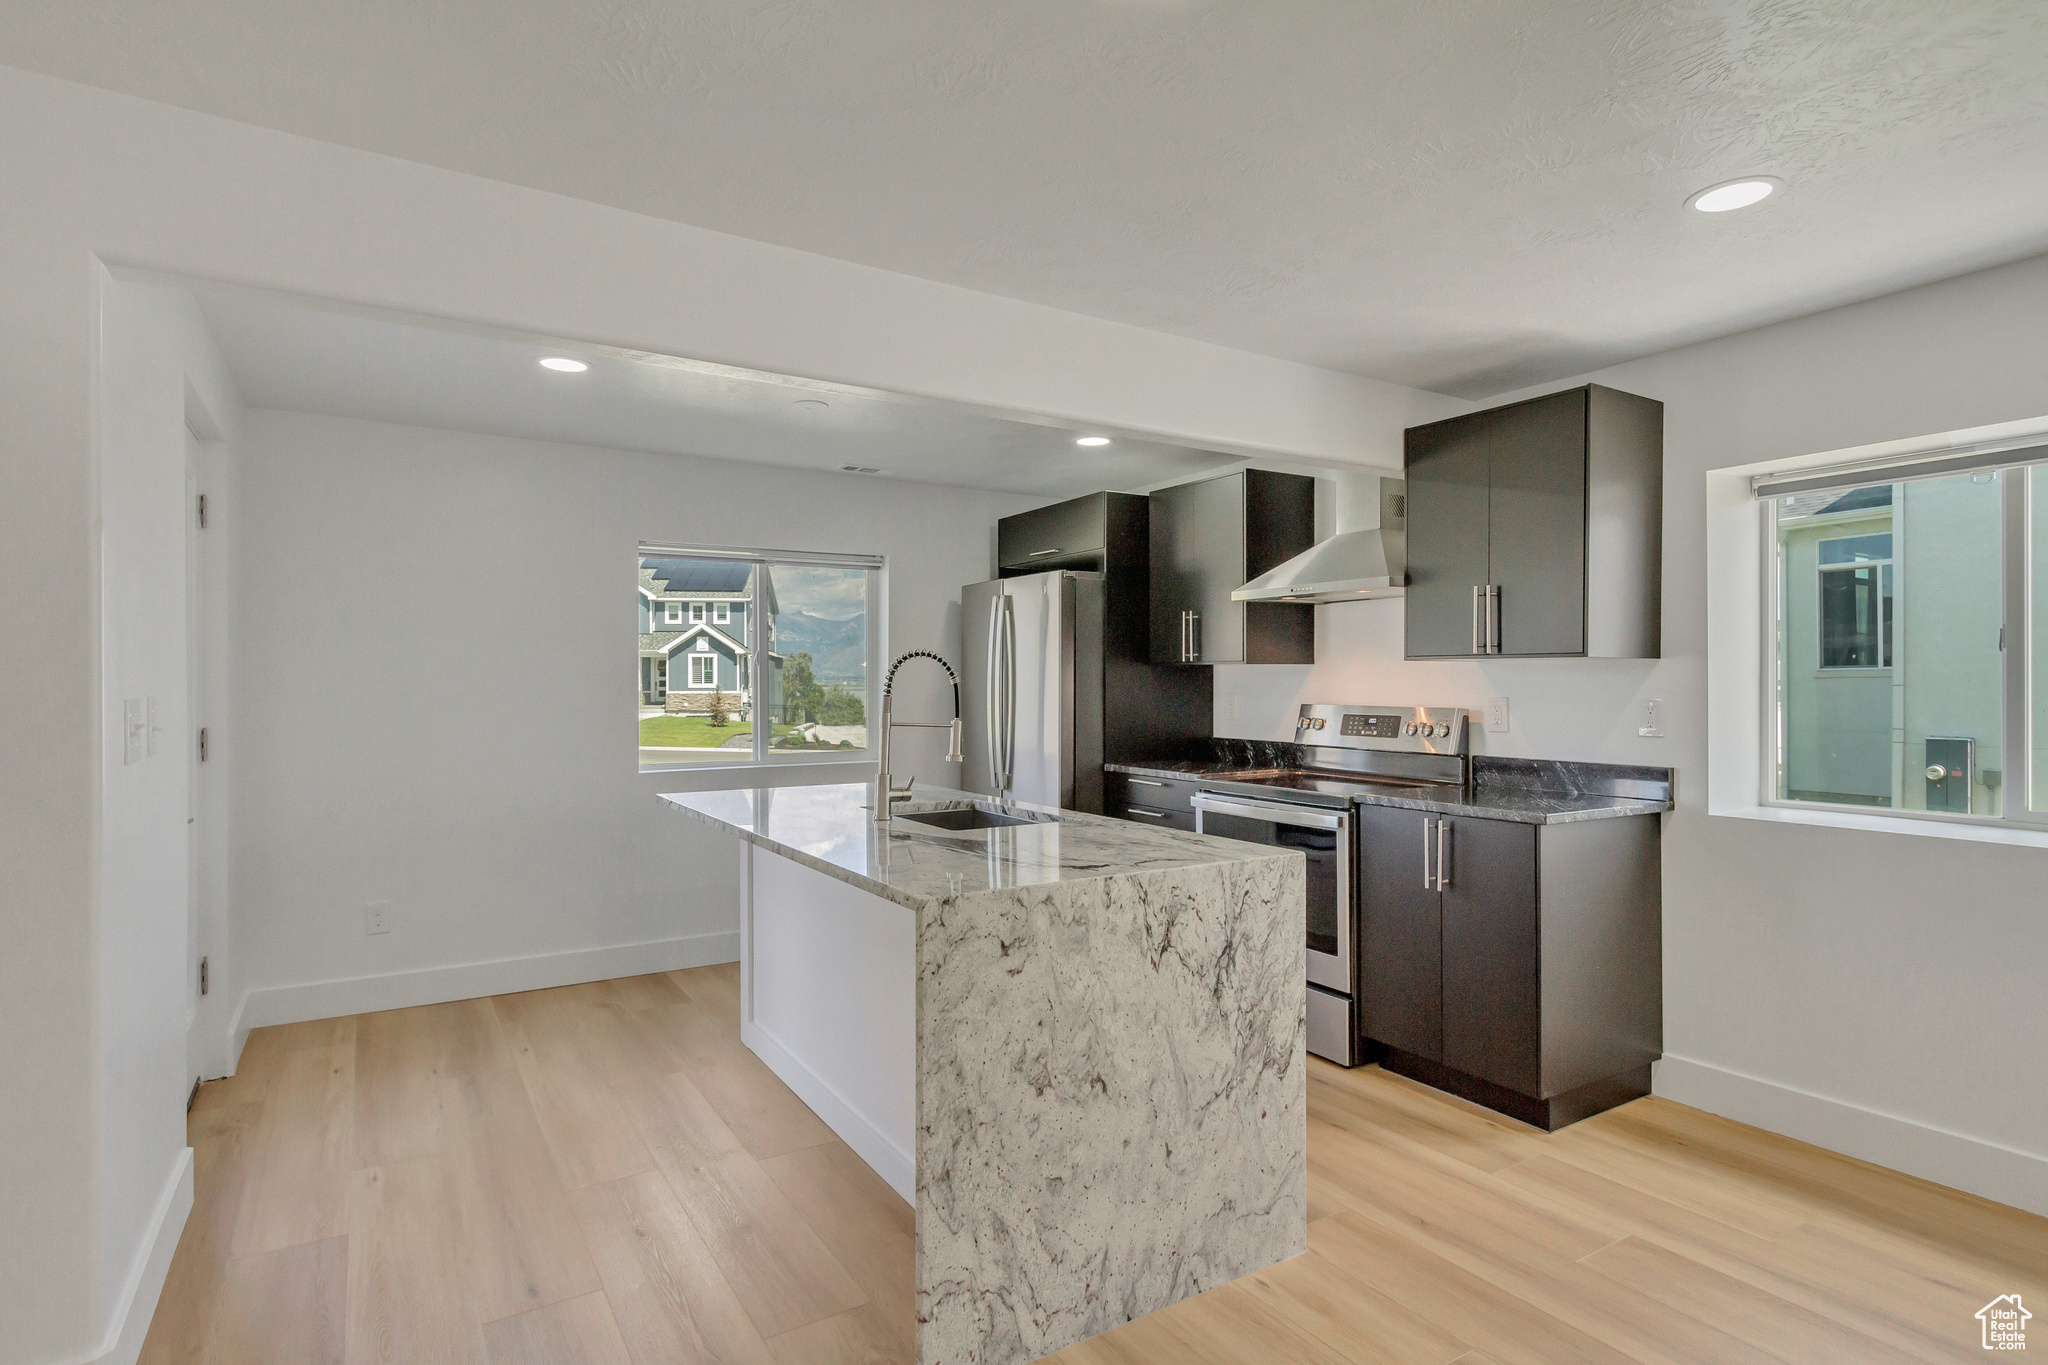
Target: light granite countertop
x=1110, y=1081
x=832, y=829
x=1522, y=803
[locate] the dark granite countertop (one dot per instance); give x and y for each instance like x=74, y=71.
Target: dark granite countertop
x=1528, y=791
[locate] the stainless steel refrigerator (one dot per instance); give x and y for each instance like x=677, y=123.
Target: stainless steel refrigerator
x=1032, y=696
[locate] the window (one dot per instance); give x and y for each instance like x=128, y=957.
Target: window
x=672, y=614
x=800, y=691
x=1856, y=602
x=1908, y=633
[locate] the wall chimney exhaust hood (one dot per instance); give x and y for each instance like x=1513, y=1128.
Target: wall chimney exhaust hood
x=1367, y=558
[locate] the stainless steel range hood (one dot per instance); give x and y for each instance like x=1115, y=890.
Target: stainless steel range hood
x=1367, y=558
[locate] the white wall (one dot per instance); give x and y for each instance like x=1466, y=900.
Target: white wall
x=434, y=662
x=1874, y=992
x=94, y=177
x=158, y=371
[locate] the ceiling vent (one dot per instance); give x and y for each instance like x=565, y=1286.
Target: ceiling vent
x=859, y=469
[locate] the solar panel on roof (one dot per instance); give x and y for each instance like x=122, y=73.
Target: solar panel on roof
x=698, y=575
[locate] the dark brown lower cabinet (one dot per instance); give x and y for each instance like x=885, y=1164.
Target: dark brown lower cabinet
x=1516, y=965
x=1491, y=1011
x=1402, y=946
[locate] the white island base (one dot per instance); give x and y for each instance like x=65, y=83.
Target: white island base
x=1077, y=1047
x=837, y=998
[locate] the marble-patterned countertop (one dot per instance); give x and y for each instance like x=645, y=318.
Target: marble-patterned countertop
x=832, y=829
x=1534, y=803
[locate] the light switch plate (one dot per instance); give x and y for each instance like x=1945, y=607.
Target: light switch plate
x=1652, y=723
x=134, y=729
x=377, y=917
x=149, y=725
x=1497, y=715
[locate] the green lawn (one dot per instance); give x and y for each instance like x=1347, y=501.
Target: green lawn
x=691, y=732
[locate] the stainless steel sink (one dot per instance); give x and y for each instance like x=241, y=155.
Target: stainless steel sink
x=974, y=817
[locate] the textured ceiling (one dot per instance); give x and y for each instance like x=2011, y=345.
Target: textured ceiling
x=1465, y=196
x=305, y=356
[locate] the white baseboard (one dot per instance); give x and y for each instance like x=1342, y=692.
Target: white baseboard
x=468, y=980
x=122, y=1342
x=2005, y=1174
x=238, y=1035
x=889, y=1161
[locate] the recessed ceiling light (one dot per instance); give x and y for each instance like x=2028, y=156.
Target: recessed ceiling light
x=564, y=364
x=1092, y=441
x=1734, y=194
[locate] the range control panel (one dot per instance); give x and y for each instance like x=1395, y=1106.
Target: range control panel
x=1411, y=729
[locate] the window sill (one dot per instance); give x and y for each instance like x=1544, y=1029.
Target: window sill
x=1985, y=833
x=717, y=777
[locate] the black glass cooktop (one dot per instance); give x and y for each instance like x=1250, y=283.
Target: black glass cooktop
x=1318, y=782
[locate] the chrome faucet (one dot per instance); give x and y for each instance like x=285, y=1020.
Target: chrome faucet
x=886, y=793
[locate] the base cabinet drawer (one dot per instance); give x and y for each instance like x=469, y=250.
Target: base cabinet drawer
x=1171, y=819
x=1153, y=793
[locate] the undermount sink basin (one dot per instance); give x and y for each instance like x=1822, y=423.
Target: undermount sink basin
x=974, y=817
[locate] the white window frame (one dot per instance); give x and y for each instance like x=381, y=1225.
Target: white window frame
x=711, y=683
x=721, y=613
x=834, y=766
x=696, y=613
x=2015, y=747
x=672, y=613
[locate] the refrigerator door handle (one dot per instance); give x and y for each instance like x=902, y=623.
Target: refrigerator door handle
x=993, y=687
x=1009, y=736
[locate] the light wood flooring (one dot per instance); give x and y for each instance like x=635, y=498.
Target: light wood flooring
x=602, y=1174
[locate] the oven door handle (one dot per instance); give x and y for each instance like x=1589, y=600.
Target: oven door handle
x=1305, y=816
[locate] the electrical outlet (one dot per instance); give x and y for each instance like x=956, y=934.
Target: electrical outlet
x=1652, y=724
x=377, y=917
x=1497, y=715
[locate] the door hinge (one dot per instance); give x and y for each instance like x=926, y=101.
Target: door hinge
x=202, y=744
x=204, y=975
x=202, y=511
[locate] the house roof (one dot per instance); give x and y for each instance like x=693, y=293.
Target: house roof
x=668, y=641
x=667, y=577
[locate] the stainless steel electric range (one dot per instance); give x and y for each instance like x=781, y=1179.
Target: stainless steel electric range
x=1347, y=752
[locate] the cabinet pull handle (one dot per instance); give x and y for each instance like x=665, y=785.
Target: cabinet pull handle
x=1040, y=554
x=1443, y=865
x=1148, y=814
x=1493, y=618
x=1144, y=782
x=1194, y=637
x=1476, y=648
x=1426, y=883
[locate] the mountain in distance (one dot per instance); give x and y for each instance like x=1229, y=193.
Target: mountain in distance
x=837, y=648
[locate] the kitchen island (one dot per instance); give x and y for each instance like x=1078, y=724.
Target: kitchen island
x=1076, y=1045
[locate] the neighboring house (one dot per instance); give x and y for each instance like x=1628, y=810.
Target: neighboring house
x=697, y=633
x=1890, y=622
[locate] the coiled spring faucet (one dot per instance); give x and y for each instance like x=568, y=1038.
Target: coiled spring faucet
x=886, y=793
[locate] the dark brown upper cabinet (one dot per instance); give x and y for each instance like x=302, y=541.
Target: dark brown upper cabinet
x=1210, y=538
x=1536, y=529
x=1103, y=532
